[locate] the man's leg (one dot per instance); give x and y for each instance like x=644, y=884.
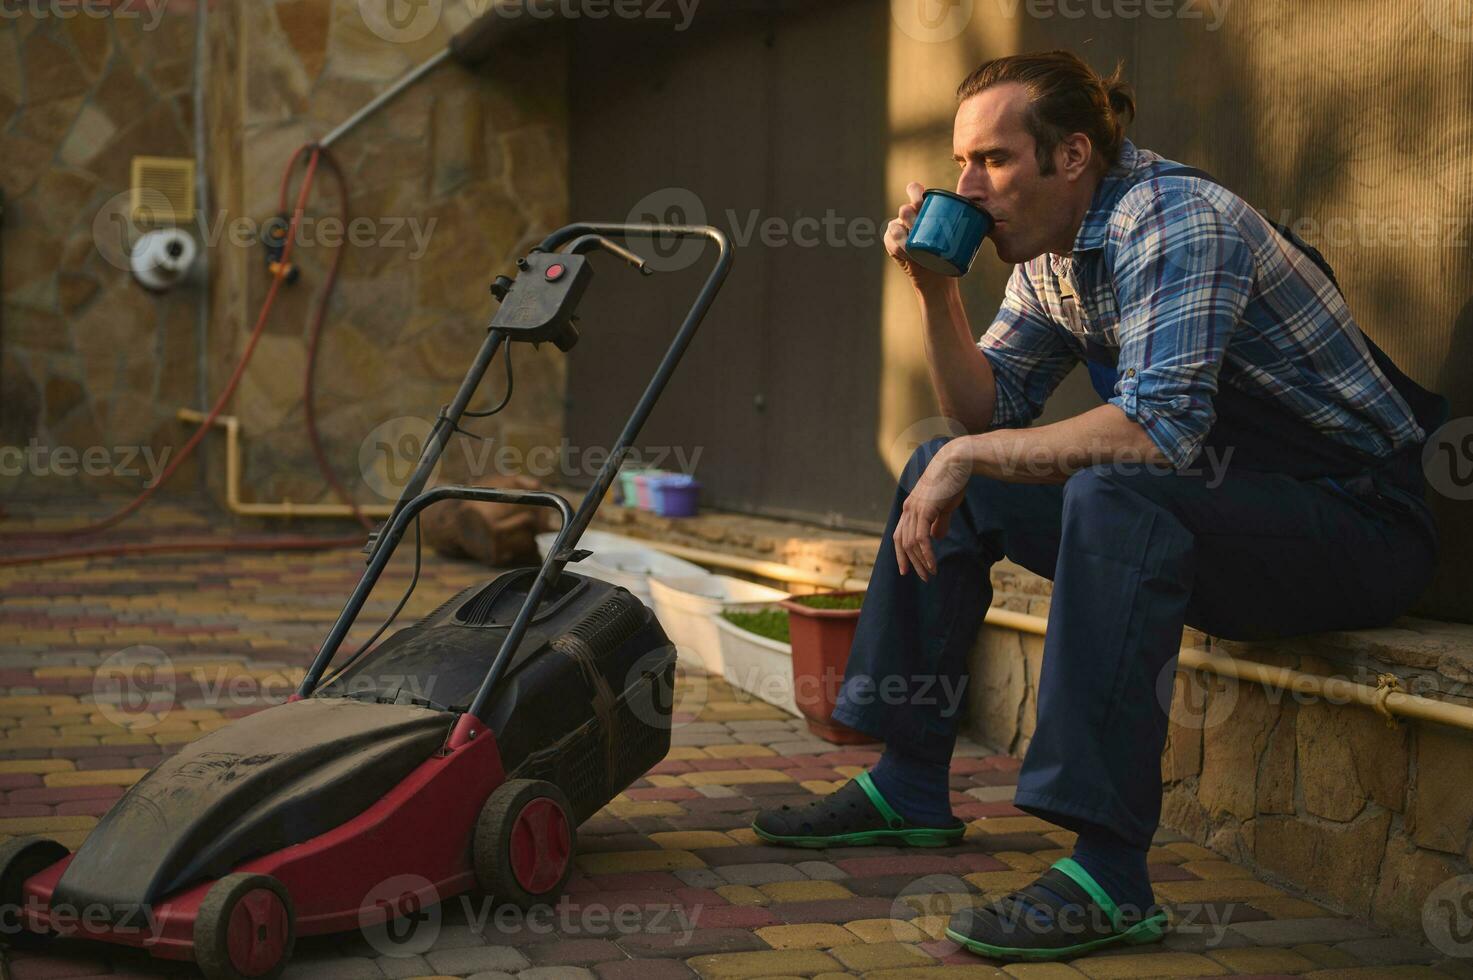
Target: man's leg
x=905, y=681
x=1141, y=554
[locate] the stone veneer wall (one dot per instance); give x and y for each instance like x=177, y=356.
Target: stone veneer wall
x=477, y=159
x=87, y=358
x=481, y=155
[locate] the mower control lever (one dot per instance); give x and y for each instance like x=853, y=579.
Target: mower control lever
x=586, y=243
x=538, y=305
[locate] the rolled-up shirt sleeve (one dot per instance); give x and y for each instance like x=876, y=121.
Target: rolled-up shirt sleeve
x=1183, y=275
x=1028, y=355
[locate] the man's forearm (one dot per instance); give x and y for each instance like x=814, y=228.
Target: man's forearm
x=1051, y=453
x=960, y=374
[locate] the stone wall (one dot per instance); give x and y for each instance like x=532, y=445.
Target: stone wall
x=88, y=360
x=473, y=163
x=1372, y=816
x=445, y=188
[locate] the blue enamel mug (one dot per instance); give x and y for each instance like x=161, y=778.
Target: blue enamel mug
x=947, y=232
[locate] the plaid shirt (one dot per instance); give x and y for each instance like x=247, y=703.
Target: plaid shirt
x=1185, y=286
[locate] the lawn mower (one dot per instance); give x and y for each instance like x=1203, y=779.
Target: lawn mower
x=461, y=752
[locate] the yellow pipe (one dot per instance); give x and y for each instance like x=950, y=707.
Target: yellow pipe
x=1332, y=689
x=776, y=571
x=285, y=508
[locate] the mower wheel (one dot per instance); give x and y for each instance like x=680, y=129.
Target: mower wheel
x=245, y=929
x=523, y=848
x=20, y=858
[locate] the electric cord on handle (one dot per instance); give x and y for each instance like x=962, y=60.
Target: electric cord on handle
x=414, y=580
x=403, y=601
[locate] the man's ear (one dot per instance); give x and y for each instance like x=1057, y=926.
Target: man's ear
x=1074, y=156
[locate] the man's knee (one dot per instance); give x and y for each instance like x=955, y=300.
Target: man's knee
x=919, y=460
x=1106, y=485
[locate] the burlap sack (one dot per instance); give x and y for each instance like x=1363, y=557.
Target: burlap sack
x=496, y=534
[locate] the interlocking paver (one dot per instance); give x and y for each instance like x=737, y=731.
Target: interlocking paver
x=675, y=849
x=1292, y=932
x=766, y=963
x=1262, y=959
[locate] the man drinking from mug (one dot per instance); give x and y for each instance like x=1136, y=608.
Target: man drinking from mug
x=1253, y=472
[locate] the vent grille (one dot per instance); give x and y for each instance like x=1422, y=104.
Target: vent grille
x=163, y=190
x=477, y=610
x=605, y=629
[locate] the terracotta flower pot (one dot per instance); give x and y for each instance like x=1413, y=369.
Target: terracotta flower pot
x=821, y=639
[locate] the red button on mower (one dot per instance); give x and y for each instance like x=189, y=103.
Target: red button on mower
x=555, y=272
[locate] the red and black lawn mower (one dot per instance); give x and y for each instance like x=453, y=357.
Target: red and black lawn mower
x=462, y=752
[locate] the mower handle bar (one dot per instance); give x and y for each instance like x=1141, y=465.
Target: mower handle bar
x=413, y=500
x=391, y=536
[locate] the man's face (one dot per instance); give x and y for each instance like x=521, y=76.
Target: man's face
x=999, y=170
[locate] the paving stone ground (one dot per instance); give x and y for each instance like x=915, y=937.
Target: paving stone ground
x=670, y=880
